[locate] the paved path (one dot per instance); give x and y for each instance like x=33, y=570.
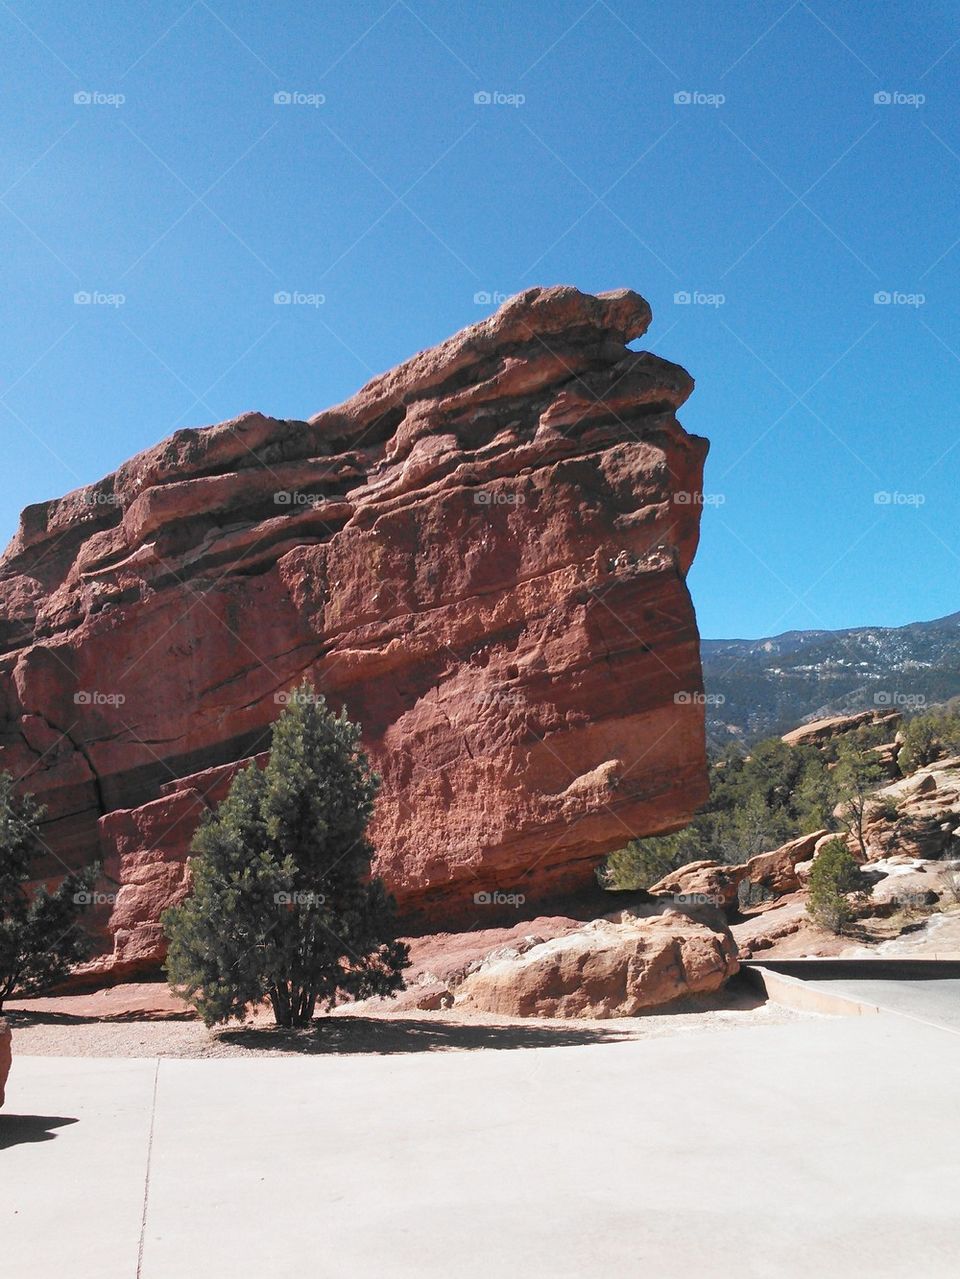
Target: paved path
x=935, y=1001
x=827, y=1147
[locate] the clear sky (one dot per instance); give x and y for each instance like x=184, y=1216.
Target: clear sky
x=781, y=197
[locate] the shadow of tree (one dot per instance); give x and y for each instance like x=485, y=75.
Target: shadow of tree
x=17, y=1130
x=388, y=1035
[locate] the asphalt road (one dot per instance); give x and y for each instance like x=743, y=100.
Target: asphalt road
x=774, y=1152
x=935, y=1001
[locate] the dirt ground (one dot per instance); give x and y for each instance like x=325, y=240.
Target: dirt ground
x=46, y=1033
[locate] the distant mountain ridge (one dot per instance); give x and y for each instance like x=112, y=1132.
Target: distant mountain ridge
x=771, y=685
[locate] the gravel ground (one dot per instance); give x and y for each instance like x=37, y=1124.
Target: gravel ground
x=349, y=1032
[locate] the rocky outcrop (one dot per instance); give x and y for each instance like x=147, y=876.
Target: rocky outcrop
x=819, y=731
x=482, y=555
x=604, y=969
x=718, y=883
x=776, y=871
x=918, y=816
x=708, y=882
x=6, y=1056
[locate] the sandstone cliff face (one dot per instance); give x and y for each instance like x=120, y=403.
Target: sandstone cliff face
x=482, y=554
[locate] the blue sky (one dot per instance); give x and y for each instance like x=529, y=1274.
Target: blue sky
x=782, y=210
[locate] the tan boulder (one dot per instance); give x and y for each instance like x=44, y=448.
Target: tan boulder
x=822, y=730
x=907, y=884
x=717, y=883
x=777, y=870
x=707, y=883
x=605, y=969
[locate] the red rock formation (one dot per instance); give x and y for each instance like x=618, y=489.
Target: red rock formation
x=482, y=554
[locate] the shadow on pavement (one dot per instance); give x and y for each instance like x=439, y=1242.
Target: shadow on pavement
x=17, y=1130
x=413, y=1035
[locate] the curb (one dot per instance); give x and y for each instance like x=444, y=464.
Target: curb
x=797, y=994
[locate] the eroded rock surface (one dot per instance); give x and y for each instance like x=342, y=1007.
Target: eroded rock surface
x=605, y=968
x=482, y=554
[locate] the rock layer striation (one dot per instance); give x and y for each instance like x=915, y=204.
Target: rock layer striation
x=482, y=554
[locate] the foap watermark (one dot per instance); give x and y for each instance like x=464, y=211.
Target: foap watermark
x=287, y=297
x=894, y=98
x=908, y=900
x=487, y=497
x=299, y=899
x=293, y=497
x=95, y=98
x=296, y=697
x=497, y=697
x=94, y=697
x=697, y=899
x=485, y=298
x=893, y=297
x=886, y=497
x=694, y=297
x=496, y=98
x=497, y=897
x=296, y=98
x=97, y=497
x=687, y=698
x=94, y=297
x=686, y=497
x=87, y=897
x=887, y=698
x=694, y=98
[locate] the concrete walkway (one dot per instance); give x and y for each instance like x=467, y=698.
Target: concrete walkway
x=826, y=1147
x=936, y=1002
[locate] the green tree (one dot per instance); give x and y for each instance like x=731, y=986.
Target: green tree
x=643, y=861
x=815, y=797
x=40, y=935
x=927, y=737
x=857, y=775
x=834, y=875
x=756, y=803
x=282, y=903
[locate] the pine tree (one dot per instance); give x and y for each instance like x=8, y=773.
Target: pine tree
x=856, y=776
x=835, y=874
x=40, y=935
x=283, y=906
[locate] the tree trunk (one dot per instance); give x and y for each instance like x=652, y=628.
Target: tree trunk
x=280, y=999
x=304, y=1004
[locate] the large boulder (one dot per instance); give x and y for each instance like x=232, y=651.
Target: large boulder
x=718, y=883
x=482, y=554
x=6, y=1055
x=777, y=870
x=702, y=883
x=605, y=969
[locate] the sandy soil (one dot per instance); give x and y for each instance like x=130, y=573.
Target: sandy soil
x=48, y=1034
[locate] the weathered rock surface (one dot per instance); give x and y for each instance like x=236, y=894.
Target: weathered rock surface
x=782, y=929
x=718, y=883
x=777, y=870
x=823, y=730
x=6, y=1056
x=927, y=824
x=604, y=969
x=711, y=882
x=482, y=554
